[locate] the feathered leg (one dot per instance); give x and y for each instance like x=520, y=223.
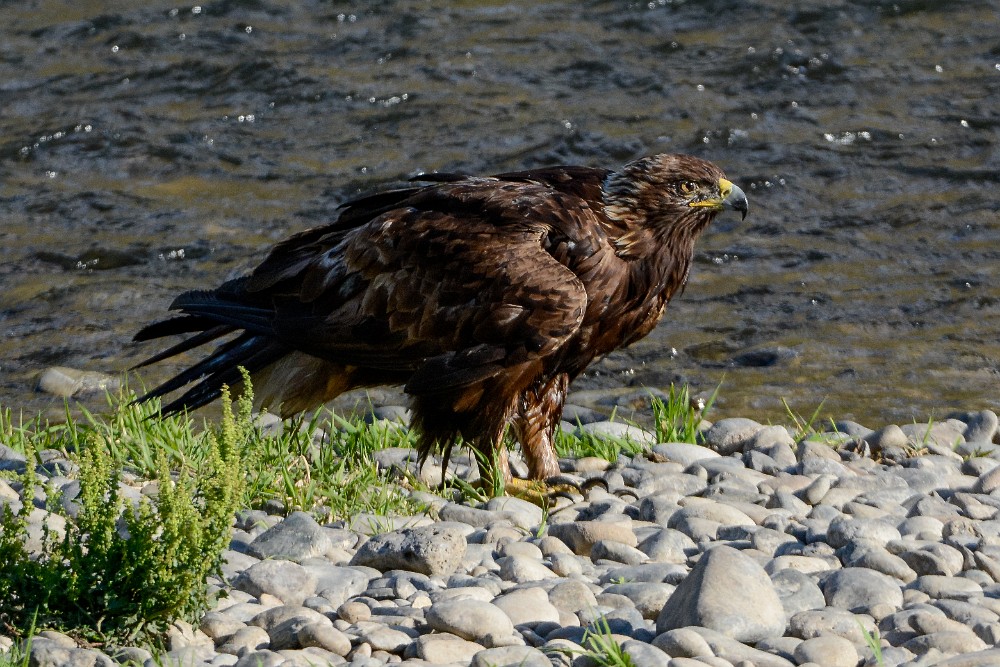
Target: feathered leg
x=534, y=424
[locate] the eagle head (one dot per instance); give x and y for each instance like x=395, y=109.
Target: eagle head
x=674, y=194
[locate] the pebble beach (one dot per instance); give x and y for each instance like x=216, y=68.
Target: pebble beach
x=757, y=548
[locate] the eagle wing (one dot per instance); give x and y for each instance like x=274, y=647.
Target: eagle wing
x=449, y=286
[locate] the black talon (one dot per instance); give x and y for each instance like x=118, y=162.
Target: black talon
x=562, y=494
x=595, y=481
x=626, y=492
x=563, y=480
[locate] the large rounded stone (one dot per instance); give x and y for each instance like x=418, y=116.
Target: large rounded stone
x=445, y=648
x=729, y=592
x=829, y=651
x=844, y=530
x=731, y=435
x=296, y=538
x=432, y=550
x=528, y=606
x=289, y=582
x=581, y=536
x=858, y=589
x=284, y=625
x=480, y=622
x=510, y=656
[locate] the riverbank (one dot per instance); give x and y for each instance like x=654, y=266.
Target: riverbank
x=768, y=546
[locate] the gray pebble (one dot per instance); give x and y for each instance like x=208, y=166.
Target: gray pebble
x=727, y=648
x=830, y=621
x=934, y=558
x=643, y=654
x=445, y=648
x=846, y=529
x=668, y=546
x=616, y=551
x=572, y=596
x=246, y=640
x=615, y=431
x=940, y=586
x=520, y=569
x=262, y=658
x=648, y=598
x=392, y=639
x=869, y=555
x=284, y=623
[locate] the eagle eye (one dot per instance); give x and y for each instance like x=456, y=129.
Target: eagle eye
x=686, y=187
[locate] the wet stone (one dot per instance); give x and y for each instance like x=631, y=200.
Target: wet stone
x=68, y=382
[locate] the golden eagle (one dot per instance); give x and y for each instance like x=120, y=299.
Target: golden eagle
x=483, y=296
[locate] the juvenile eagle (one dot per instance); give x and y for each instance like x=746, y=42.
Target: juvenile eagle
x=483, y=296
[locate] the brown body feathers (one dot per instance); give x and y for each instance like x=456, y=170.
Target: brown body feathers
x=483, y=296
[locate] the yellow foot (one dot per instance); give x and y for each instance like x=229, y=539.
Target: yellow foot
x=540, y=492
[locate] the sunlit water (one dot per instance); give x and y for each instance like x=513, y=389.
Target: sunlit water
x=148, y=151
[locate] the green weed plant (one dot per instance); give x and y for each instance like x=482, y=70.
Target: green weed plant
x=122, y=571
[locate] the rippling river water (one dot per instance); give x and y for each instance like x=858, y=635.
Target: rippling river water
x=148, y=148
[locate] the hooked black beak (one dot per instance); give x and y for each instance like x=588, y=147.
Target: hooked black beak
x=730, y=196
x=733, y=197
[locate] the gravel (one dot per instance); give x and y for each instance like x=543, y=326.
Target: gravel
x=758, y=548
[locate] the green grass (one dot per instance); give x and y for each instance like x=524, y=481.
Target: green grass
x=605, y=447
x=103, y=584
x=677, y=418
x=123, y=571
x=804, y=427
x=600, y=646
x=874, y=642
